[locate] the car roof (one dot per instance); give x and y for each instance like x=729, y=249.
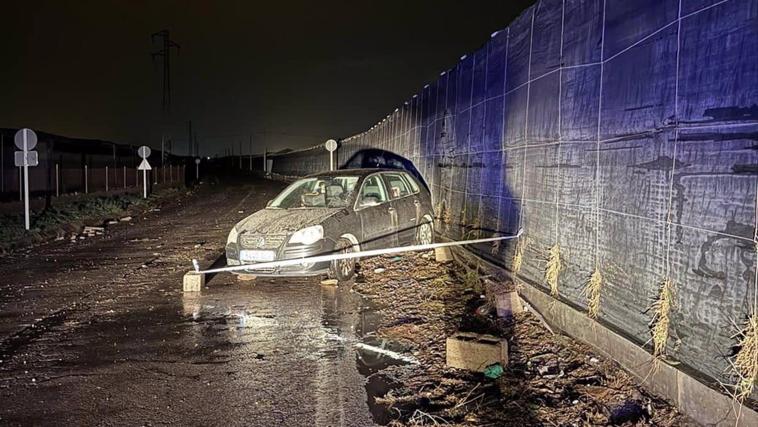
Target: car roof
x=360, y=172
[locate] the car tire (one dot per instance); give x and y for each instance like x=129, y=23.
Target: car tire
x=425, y=232
x=342, y=270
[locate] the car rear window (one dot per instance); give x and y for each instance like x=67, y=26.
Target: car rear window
x=412, y=182
x=397, y=185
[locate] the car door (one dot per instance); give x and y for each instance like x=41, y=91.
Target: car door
x=401, y=196
x=377, y=214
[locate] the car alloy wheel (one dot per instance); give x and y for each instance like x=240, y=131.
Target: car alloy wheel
x=343, y=269
x=425, y=233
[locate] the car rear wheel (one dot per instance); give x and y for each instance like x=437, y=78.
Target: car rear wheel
x=342, y=269
x=425, y=233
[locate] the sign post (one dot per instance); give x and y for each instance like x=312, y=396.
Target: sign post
x=331, y=146
x=144, y=152
x=26, y=140
x=197, y=168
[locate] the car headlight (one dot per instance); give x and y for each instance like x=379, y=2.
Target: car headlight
x=232, y=236
x=308, y=235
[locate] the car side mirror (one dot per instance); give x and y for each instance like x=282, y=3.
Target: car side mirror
x=269, y=202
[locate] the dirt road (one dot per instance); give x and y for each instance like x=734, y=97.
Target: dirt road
x=100, y=332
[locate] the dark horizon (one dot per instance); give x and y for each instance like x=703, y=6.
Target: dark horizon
x=289, y=75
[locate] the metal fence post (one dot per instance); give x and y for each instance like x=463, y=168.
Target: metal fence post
x=86, y=179
x=124, y=176
x=106, y=179
x=57, y=179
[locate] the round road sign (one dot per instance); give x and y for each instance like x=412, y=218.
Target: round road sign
x=144, y=151
x=31, y=139
x=197, y=161
x=331, y=145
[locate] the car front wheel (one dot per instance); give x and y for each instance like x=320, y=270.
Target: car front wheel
x=342, y=269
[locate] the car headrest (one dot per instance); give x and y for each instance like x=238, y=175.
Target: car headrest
x=334, y=190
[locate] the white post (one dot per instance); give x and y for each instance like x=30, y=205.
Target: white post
x=106, y=179
x=331, y=160
x=144, y=184
x=26, y=184
x=197, y=171
x=86, y=180
x=57, y=178
x=124, y=176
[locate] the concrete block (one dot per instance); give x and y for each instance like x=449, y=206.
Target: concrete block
x=475, y=352
x=443, y=255
x=193, y=282
x=507, y=304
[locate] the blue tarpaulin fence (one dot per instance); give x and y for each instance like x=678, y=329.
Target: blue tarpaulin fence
x=624, y=131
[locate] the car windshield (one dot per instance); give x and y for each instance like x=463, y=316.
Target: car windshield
x=320, y=192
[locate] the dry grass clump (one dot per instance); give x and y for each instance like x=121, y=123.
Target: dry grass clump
x=553, y=269
x=445, y=217
x=472, y=279
x=592, y=291
x=476, y=228
x=745, y=362
x=496, y=245
x=518, y=256
x=659, y=325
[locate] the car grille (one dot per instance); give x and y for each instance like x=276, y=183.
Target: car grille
x=261, y=241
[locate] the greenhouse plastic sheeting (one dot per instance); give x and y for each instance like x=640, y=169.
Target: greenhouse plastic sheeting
x=623, y=131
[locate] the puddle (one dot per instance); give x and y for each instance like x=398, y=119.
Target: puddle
x=370, y=362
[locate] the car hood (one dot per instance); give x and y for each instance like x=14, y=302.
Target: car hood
x=278, y=221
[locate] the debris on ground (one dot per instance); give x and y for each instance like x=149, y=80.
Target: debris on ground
x=550, y=379
x=90, y=231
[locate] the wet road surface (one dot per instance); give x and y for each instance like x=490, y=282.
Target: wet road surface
x=100, y=332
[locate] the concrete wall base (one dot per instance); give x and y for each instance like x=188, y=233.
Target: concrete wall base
x=700, y=402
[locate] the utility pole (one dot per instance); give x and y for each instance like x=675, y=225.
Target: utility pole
x=165, y=52
x=189, y=138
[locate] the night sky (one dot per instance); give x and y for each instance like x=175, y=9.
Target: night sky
x=291, y=74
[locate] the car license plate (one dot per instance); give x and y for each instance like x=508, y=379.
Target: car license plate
x=257, y=255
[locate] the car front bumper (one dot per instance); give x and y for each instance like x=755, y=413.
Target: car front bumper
x=286, y=252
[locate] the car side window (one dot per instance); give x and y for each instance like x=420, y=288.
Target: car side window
x=397, y=186
x=411, y=182
x=372, y=193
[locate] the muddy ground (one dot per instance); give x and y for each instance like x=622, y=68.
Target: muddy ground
x=98, y=331
x=551, y=379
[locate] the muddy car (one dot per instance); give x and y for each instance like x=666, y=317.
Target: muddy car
x=333, y=212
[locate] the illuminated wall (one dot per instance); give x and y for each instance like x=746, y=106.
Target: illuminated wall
x=626, y=132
